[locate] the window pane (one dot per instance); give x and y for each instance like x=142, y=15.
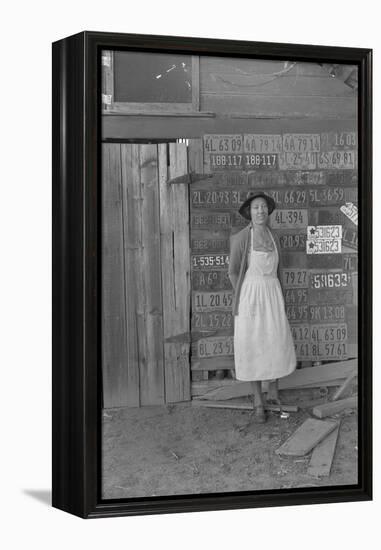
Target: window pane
x=152, y=78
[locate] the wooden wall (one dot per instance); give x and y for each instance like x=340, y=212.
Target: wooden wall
x=310, y=185
x=145, y=270
x=157, y=319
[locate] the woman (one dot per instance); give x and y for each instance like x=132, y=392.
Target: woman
x=263, y=345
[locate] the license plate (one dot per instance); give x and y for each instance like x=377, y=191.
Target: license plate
x=350, y=238
x=321, y=351
x=227, y=161
x=211, y=260
x=205, y=221
x=214, y=245
x=263, y=143
x=345, y=177
x=289, y=219
x=289, y=198
x=329, y=333
x=331, y=296
x=210, y=280
x=326, y=279
x=293, y=242
x=231, y=179
x=350, y=210
x=206, y=301
x=218, y=198
x=261, y=160
x=326, y=313
x=301, y=333
x=342, y=160
x=217, y=320
x=297, y=313
x=296, y=296
x=223, y=143
x=338, y=140
x=301, y=143
x=297, y=161
x=326, y=196
x=215, y=347
x=323, y=246
x=318, y=232
x=350, y=262
x=294, y=278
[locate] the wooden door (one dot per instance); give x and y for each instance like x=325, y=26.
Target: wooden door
x=145, y=275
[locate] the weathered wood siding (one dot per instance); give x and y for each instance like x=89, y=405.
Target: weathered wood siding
x=145, y=269
x=272, y=88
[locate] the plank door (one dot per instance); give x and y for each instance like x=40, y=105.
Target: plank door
x=145, y=275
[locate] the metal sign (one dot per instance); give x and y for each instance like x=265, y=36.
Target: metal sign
x=289, y=219
x=223, y=143
x=263, y=143
x=210, y=220
x=326, y=196
x=350, y=210
x=294, y=278
x=216, y=346
x=207, y=301
x=216, y=320
x=297, y=161
x=328, y=279
x=341, y=160
x=301, y=143
x=338, y=140
x=297, y=313
x=326, y=313
x=205, y=244
x=324, y=232
x=211, y=260
x=321, y=351
x=296, y=296
x=323, y=246
x=210, y=280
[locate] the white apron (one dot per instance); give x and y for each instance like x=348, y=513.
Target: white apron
x=263, y=345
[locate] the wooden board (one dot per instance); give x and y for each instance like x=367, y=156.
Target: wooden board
x=115, y=371
x=132, y=230
x=322, y=455
x=175, y=260
x=306, y=437
x=322, y=411
x=241, y=405
x=307, y=377
x=150, y=315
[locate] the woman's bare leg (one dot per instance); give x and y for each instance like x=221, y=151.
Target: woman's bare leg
x=257, y=393
x=273, y=393
x=260, y=415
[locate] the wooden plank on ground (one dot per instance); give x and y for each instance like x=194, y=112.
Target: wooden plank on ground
x=331, y=371
x=345, y=385
x=227, y=390
x=302, y=378
x=242, y=405
x=114, y=352
x=152, y=369
x=306, y=437
x=322, y=455
x=321, y=411
x=175, y=268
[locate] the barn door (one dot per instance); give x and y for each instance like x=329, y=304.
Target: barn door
x=145, y=275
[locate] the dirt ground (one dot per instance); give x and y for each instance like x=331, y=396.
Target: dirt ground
x=182, y=449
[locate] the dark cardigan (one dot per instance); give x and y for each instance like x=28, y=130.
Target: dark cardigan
x=238, y=261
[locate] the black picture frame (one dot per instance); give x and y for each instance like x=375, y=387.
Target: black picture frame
x=77, y=263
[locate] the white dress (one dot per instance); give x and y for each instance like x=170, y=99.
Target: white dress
x=263, y=345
